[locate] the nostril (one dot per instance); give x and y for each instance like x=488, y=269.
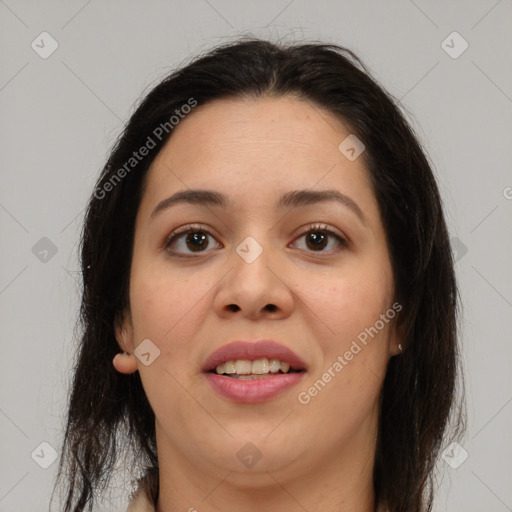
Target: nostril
x=271, y=307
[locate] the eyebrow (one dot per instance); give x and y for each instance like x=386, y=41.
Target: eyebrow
x=292, y=199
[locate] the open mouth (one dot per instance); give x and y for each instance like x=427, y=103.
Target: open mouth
x=245, y=369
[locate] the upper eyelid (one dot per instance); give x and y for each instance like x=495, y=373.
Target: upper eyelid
x=306, y=229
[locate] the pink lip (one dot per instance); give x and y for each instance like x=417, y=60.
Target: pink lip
x=256, y=390
x=251, y=351
x=252, y=391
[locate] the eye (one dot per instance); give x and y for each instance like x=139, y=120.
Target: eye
x=317, y=238
x=193, y=237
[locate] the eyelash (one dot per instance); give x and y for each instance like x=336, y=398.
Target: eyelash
x=194, y=228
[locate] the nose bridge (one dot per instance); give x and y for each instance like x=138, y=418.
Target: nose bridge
x=254, y=283
x=250, y=250
x=253, y=263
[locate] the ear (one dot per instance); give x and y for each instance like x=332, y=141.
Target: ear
x=397, y=336
x=124, y=362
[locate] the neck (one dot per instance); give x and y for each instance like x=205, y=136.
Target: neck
x=341, y=480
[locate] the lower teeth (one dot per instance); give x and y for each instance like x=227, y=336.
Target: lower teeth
x=252, y=375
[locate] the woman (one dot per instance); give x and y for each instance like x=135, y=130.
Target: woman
x=269, y=301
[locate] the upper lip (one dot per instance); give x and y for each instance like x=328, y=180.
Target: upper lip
x=253, y=350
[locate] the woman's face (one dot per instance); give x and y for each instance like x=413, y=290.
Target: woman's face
x=266, y=265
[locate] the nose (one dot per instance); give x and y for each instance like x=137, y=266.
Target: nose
x=255, y=288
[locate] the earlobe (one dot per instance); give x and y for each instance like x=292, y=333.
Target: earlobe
x=125, y=363
x=396, y=349
x=397, y=346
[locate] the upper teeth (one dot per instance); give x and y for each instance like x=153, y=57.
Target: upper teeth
x=258, y=367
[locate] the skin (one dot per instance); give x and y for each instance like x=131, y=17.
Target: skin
x=315, y=456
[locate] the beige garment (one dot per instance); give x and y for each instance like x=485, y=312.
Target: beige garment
x=141, y=503
x=145, y=497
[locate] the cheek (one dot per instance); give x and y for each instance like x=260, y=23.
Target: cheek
x=348, y=324
x=353, y=362
x=349, y=304
x=167, y=308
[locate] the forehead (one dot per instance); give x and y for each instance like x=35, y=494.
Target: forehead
x=261, y=147
x=275, y=122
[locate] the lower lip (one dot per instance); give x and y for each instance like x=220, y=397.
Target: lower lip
x=252, y=391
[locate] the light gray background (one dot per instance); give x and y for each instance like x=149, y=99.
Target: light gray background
x=60, y=116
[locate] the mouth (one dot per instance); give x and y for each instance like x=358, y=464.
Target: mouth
x=253, y=372
x=246, y=369
x=259, y=358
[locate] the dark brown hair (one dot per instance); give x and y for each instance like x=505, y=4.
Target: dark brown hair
x=109, y=414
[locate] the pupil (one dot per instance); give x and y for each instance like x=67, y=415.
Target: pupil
x=197, y=241
x=318, y=241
